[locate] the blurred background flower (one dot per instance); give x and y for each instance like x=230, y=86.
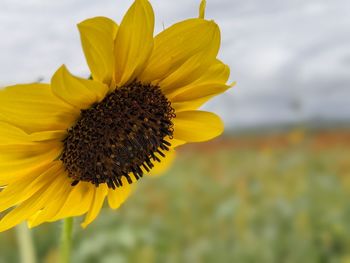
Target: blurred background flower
x=276, y=188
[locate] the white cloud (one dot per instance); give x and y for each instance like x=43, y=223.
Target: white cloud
x=278, y=51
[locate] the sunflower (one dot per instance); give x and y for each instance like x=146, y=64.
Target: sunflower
x=68, y=145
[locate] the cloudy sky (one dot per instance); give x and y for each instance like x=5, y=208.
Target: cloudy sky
x=290, y=58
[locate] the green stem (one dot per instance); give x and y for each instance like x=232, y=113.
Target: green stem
x=25, y=243
x=66, y=240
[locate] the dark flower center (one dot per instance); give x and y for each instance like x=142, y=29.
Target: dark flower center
x=120, y=136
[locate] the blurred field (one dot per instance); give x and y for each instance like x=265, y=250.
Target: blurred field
x=278, y=198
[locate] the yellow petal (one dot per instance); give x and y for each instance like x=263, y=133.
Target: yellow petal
x=188, y=72
x=178, y=43
x=22, y=212
x=119, y=195
x=15, y=152
x=97, y=37
x=33, y=108
x=51, y=209
x=164, y=165
x=190, y=105
x=26, y=187
x=194, y=95
x=96, y=205
x=35, y=203
x=58, y=135
x=197, y=126
x=80, y=93
x=217, y=72
x=202, y=9
x=12, y=135
x=134, y=42
x=17, y=161
x=199, y=94
x=78, y=201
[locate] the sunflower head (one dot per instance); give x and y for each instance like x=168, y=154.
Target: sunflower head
x=67, y=145
x=120, y=135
